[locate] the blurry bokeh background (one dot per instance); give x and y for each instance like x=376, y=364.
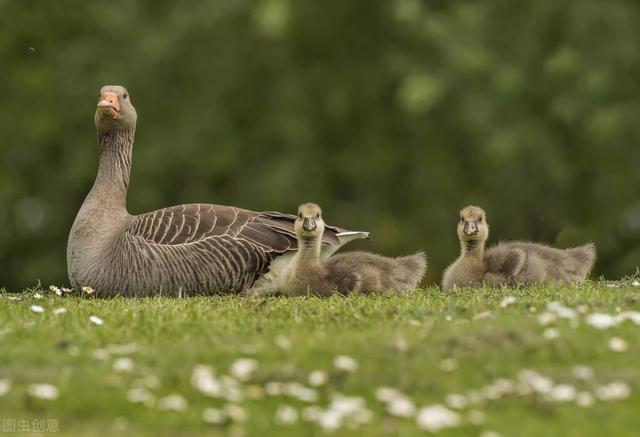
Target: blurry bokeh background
x=392, y=114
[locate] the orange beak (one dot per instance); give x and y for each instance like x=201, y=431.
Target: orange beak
x=109, y=103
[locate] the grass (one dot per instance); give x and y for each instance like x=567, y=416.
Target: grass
x=427, y=344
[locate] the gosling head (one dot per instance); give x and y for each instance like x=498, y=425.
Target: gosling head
x=309, y=224
x=473, y=226
x=114, y=111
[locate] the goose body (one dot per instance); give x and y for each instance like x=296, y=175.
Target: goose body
x=351, y=272
x=180, y=250
x=510, y=263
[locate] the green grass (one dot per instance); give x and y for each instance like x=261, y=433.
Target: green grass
x=398, y=341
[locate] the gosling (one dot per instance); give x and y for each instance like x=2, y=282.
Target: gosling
x=511, y=263
x=351, y=272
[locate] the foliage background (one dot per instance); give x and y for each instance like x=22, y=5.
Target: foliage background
x=391, y=114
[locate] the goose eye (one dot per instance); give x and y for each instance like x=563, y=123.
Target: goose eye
x=299, y=215
x=124, y=95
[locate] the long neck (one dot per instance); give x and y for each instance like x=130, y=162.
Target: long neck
x=472, y=248
x=112, y=182
x=309, y=250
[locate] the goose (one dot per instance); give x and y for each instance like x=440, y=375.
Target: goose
x=180, y=250
x=514, y=262
x=357, y=272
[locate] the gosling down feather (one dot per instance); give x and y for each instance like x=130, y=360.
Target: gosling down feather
x=510, y=263
x=180, y=250
x=350, y=272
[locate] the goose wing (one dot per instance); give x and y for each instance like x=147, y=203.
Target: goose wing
x=192, y=223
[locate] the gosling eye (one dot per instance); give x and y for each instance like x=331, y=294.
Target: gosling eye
x=124, y=96
x=480, y=220
x=318, y=215
x=299, y=215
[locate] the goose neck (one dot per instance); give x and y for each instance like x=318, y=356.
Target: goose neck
x=309, y=250
x=472, y=248
x=114, y=168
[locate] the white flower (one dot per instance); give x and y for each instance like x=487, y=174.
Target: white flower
x=618, y=344
x=203, y=380
x=562, y=393
x=456, y=401
x=96, y=320
x=235, y=412
x=5, y=386
x=561, y=310
x=500, y=387
x=401, y=407
x=243, y=368
x=613, y=391
x=585, y=399
x=87, y=290
x=436, y=417
x=346, y=363
x=508, y=300
x=123, y=365
x=140, y=395
x=37, y=309
x=601, y=321
x=400, y=344
x=282, y=342
x=582, y=372
x=387, y=394
x=59, y=311
x=300, y=392
x=43, y=391
x=547, y=318
x=286, y=415
x=173, y=402
x=537, y=382
x=634, y=316
x=330, y=420
x=318, y=378
x=551, y=333
x=214, y=416
x=67, y=290
x=635, y=283
x=37, y=296
x=55, y=289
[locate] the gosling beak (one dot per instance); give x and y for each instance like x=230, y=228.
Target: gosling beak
x=470, y=228
x=109, y=104
x=309, y=224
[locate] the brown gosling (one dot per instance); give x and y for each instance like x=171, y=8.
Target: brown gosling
x=510, y=263
x=351, y=272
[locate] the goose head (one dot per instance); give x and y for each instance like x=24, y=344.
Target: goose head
x=473, y=225
x=114, y=111
x=309, y=223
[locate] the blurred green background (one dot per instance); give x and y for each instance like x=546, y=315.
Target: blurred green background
x=392, y=114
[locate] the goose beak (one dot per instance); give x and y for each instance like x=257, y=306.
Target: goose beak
x=109, y=104
x=470, y=228
x=309, y=224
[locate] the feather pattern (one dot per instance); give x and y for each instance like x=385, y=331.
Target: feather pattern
x=180, y=250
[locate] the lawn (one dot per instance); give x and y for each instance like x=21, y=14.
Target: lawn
x=532, y=361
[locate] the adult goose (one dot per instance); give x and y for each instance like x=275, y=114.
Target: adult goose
x=180, y=250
